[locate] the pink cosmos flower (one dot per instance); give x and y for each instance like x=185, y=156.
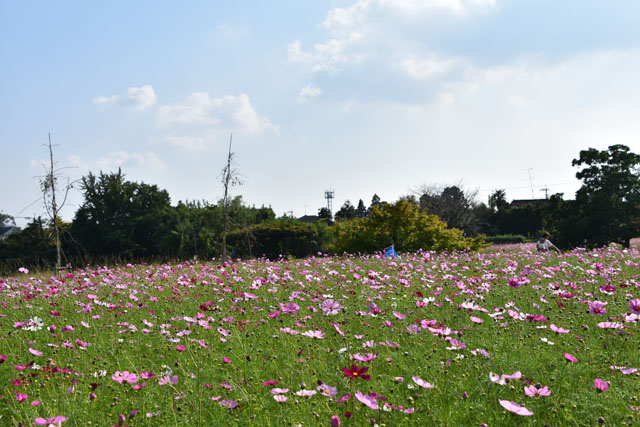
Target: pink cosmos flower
x=271, y=382
x=279, y=390
x=532, y=391
x=224, y=332
x=229, y=404
x=610, y=325
x=51, y=422
x=35, y=352
x=515, y=408
x=634, y=306
x=125, y=377
x=225, y=359
x=306, y=393
x=504, y=378
x=570, y=358
x=168, y=380
x=597, y=308
x=600, y=385
x=146, y=375
x=367, y=400
x=180, y=347
x=290, y=308
x=330, y=307
x=558, y=330
x=456, y=345
x=476, y=319
x=364, y=358
x=318, y=334
x=280, y=398
x=3, y=358
x=422, y=383
x=20, y=397
x=327, y=390
x=335, y=421
x=399, y=315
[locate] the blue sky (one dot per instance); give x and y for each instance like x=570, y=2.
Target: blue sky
x=361, y=96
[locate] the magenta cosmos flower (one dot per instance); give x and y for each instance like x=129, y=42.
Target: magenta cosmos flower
x=634, y=306
x=600, y=385
x=515, y=408
x=355, y=372
x=570, y=358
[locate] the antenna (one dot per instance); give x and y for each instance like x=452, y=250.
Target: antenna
x=531, y=182
x=328, y=194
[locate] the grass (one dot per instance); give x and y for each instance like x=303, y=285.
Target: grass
x=220, y=337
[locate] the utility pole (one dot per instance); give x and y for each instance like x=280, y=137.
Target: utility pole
x=546, y=192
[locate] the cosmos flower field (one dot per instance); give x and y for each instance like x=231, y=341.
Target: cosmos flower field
x=510, y=337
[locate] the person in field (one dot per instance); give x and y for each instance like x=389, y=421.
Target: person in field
x=544, y=244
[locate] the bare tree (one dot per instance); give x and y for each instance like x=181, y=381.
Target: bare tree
x=50, y=188
x=453, y=204
x=230, y=177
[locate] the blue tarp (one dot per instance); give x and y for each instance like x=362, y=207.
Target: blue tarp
x=390, y=252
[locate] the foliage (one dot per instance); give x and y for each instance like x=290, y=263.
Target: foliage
x=31, y=246
x=505, y=238
x=402, y=224
x=272, y=239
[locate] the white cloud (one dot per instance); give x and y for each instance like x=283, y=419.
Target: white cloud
x=196, y=110
x=421, y=68
x=139, y=98
x=226, y=112
x=242, y=114
x=187, y=142
x=358, y=32
x=117, y=159
x=420, y=6
x=309, y=91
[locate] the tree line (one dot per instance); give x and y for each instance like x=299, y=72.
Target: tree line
x=124, y=221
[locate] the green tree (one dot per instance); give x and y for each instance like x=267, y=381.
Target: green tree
x=6, y=219
x=120, y=217
x=402, y=224
x=609, y=200
x=361, y=210
x=498, y=200
x=325, y=213
x=347, y=211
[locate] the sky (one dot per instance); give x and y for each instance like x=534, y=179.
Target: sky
x=360, y=96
